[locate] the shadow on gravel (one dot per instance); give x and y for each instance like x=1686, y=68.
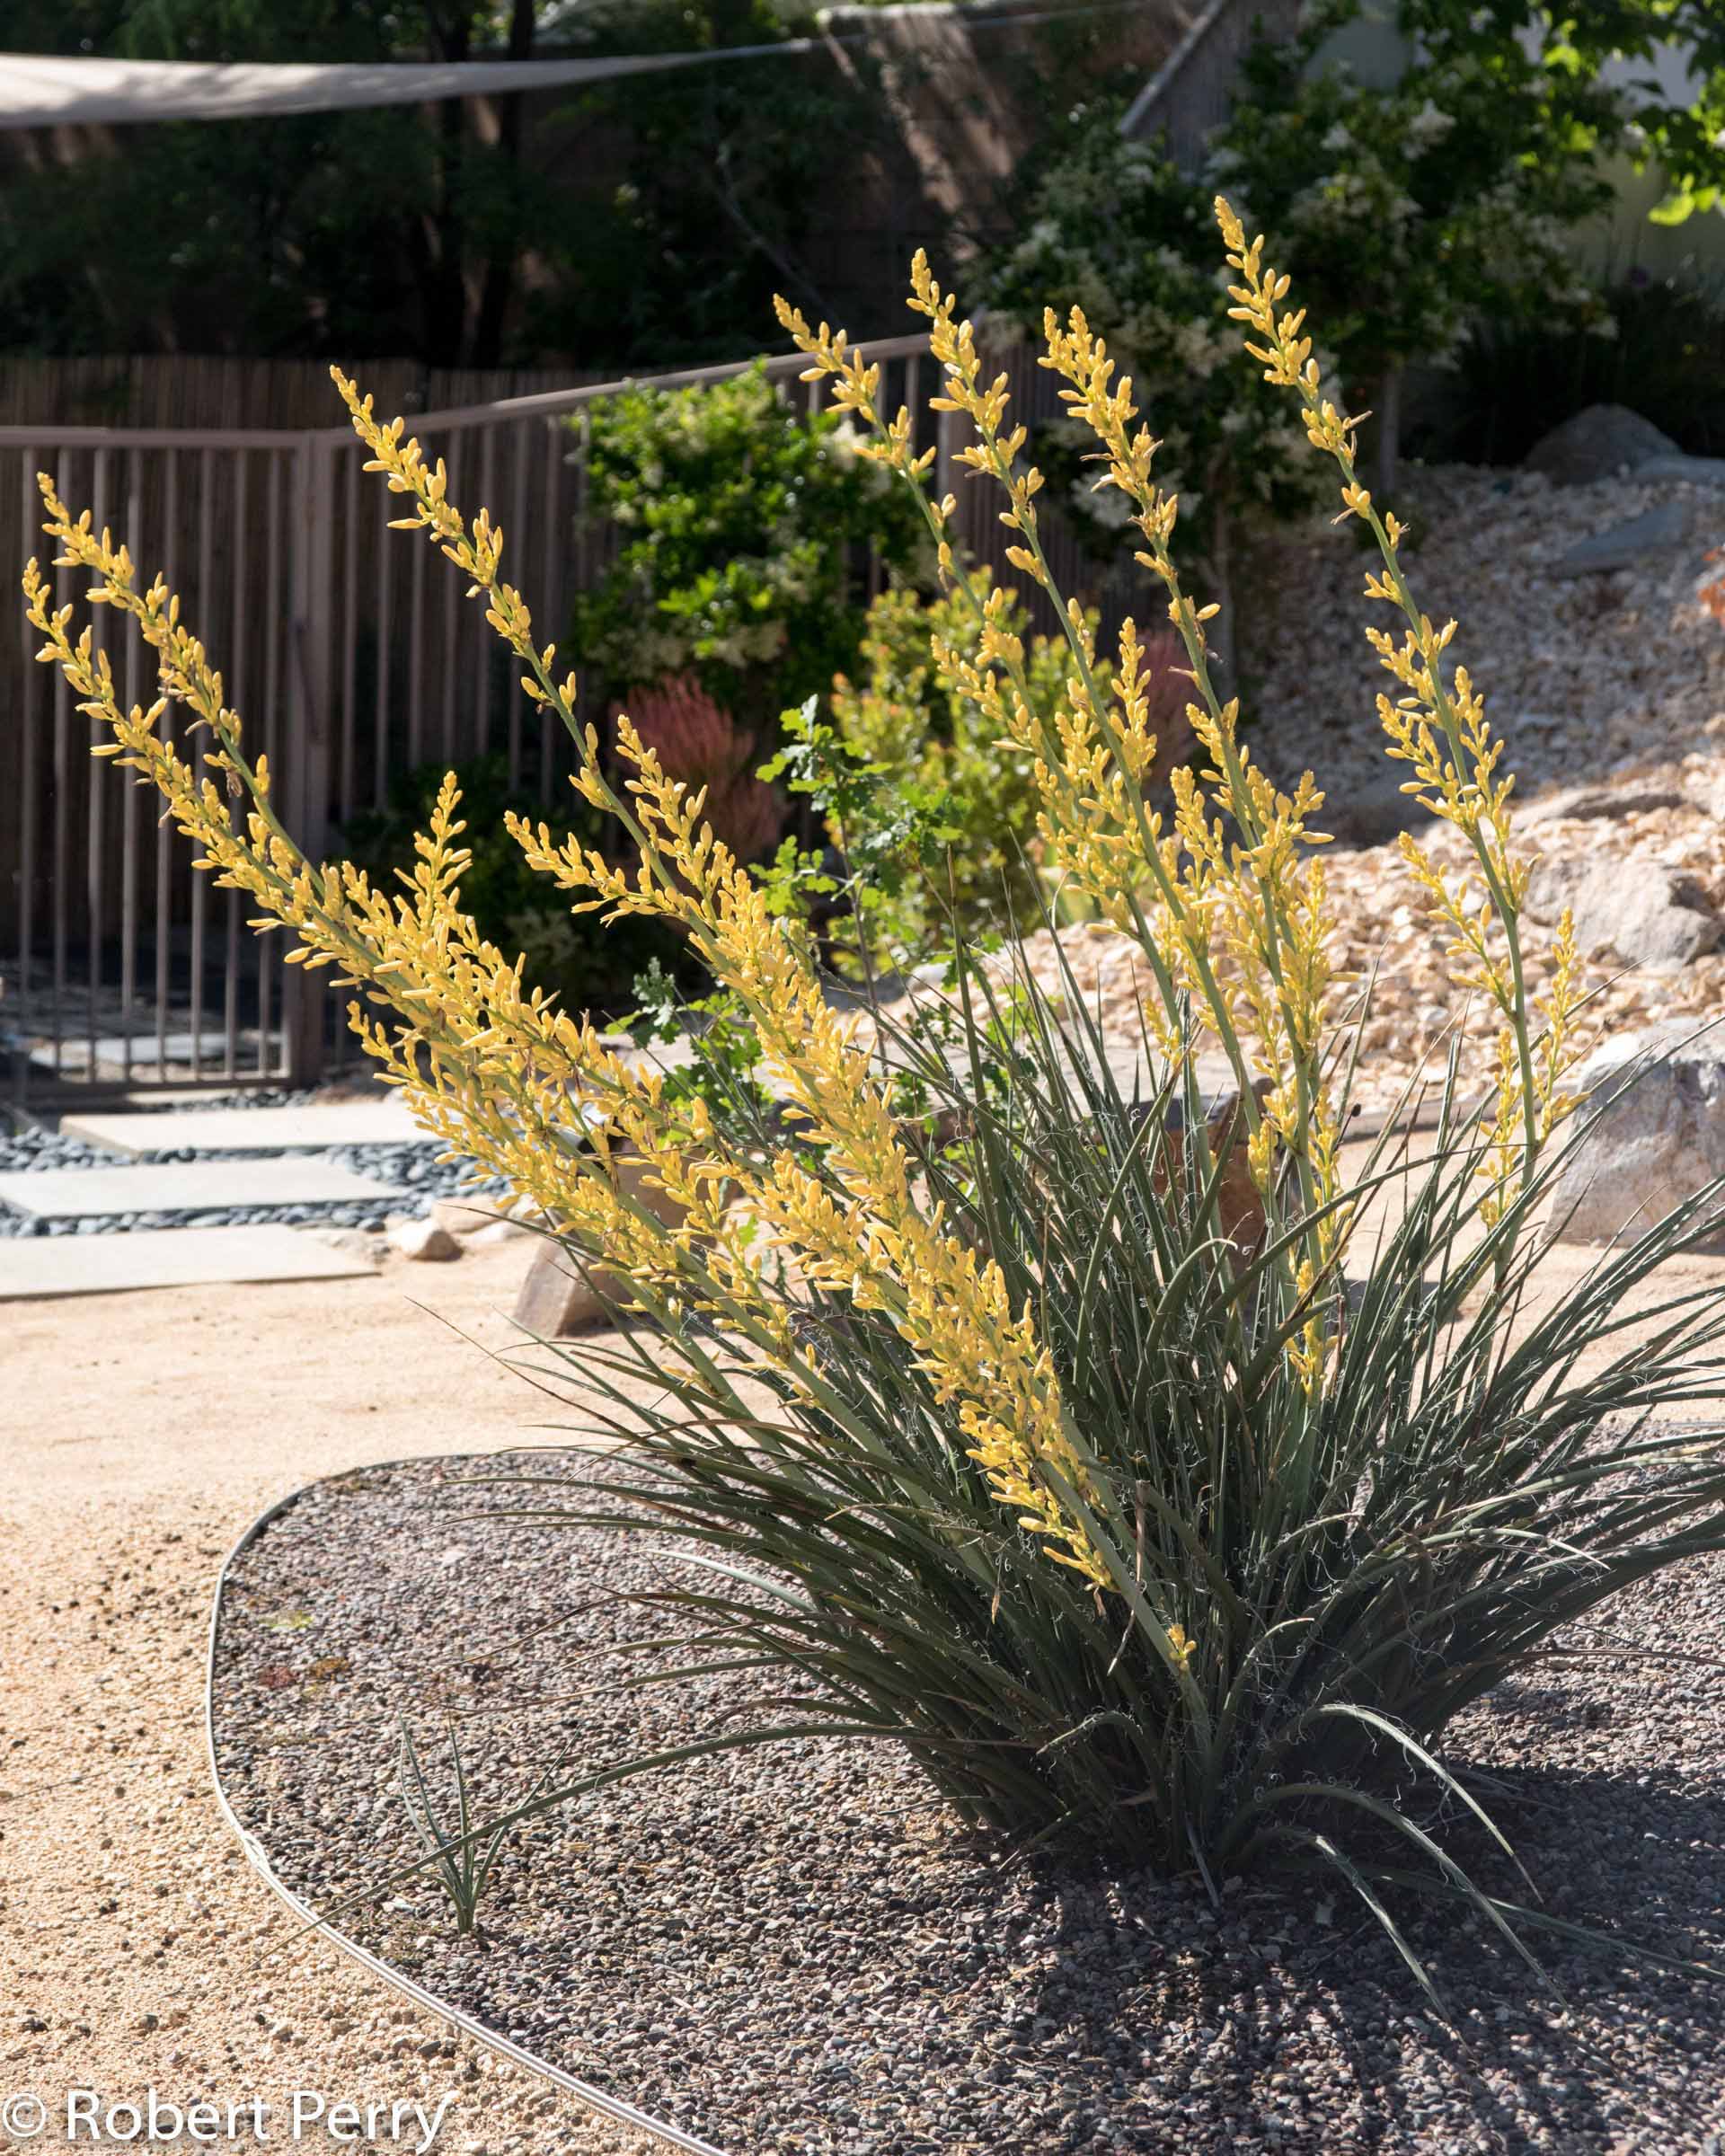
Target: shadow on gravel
x=1230, y=2004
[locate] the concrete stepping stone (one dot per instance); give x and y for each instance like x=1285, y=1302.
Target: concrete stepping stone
x=33, y=1266
x=187, y=1187
x=148, y=1053
x=312, y=1129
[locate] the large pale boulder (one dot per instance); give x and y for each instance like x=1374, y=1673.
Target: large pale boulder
x=556, y=1299
x=1658, y=1136
x=1599, y=442
x=1649, y=914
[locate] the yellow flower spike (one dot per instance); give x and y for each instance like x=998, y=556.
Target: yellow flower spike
x=493, y=1069
x=1442, y=732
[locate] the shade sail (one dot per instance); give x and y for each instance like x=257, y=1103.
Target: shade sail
x=42, y=91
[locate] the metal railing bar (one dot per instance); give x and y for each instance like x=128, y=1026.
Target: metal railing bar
x=548, y=402
x=29, y=704
x=385, y=643
x=451, y=623
x=231, y=957
x=94, y=796
x=516, y=533
x=415, y=656
x=553, y=441
x=128, y=797
x=62, y=834
x=154, y=437
x=482, y=638
x=164, y=831
x=206, y=629
x=350, y=640
x=269, y=732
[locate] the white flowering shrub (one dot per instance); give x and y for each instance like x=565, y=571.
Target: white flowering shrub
x=1114, y=229
x=1406, y=211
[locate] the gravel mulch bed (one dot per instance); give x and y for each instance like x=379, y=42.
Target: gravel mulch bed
x=795, y=1950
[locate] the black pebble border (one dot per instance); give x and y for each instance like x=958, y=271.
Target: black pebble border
x=414, y=1172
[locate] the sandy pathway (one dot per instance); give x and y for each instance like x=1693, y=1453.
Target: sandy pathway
x=139, y=1434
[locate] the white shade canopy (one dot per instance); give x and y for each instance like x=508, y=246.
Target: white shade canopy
x=39, y=90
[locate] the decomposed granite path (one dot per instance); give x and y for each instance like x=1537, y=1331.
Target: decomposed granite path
x=139, y=1435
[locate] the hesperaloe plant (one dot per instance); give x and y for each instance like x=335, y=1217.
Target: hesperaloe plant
x=1135, y=1520
x=460, y=1852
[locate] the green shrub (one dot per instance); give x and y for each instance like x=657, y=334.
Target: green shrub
x=744, y=530
x=907, y=720
x=909, y=723
x=1405, y=213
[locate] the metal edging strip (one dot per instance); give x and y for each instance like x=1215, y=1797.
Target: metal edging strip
x=609, y=2107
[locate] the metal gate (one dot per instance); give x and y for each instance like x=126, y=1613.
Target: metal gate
x=352, y=656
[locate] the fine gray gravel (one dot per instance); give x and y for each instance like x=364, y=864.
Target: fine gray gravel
x=414, y=1173
x=795, y=1950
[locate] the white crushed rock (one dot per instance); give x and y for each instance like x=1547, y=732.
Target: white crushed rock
x=1607, y=685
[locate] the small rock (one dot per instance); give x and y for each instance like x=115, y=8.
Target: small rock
x=1632, y=798
x=1649, y=914
x=423, y=1239
x=555, y=1300
x=1664, y=530
x=1659, y=1137
x=1599, y=442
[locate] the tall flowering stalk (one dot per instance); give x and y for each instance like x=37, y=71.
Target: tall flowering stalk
x=492, y=1068
x=1439, y=729
x=1231, y=917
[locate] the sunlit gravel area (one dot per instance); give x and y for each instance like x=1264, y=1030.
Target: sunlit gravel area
x=793, y=1949
x=1608, y=693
